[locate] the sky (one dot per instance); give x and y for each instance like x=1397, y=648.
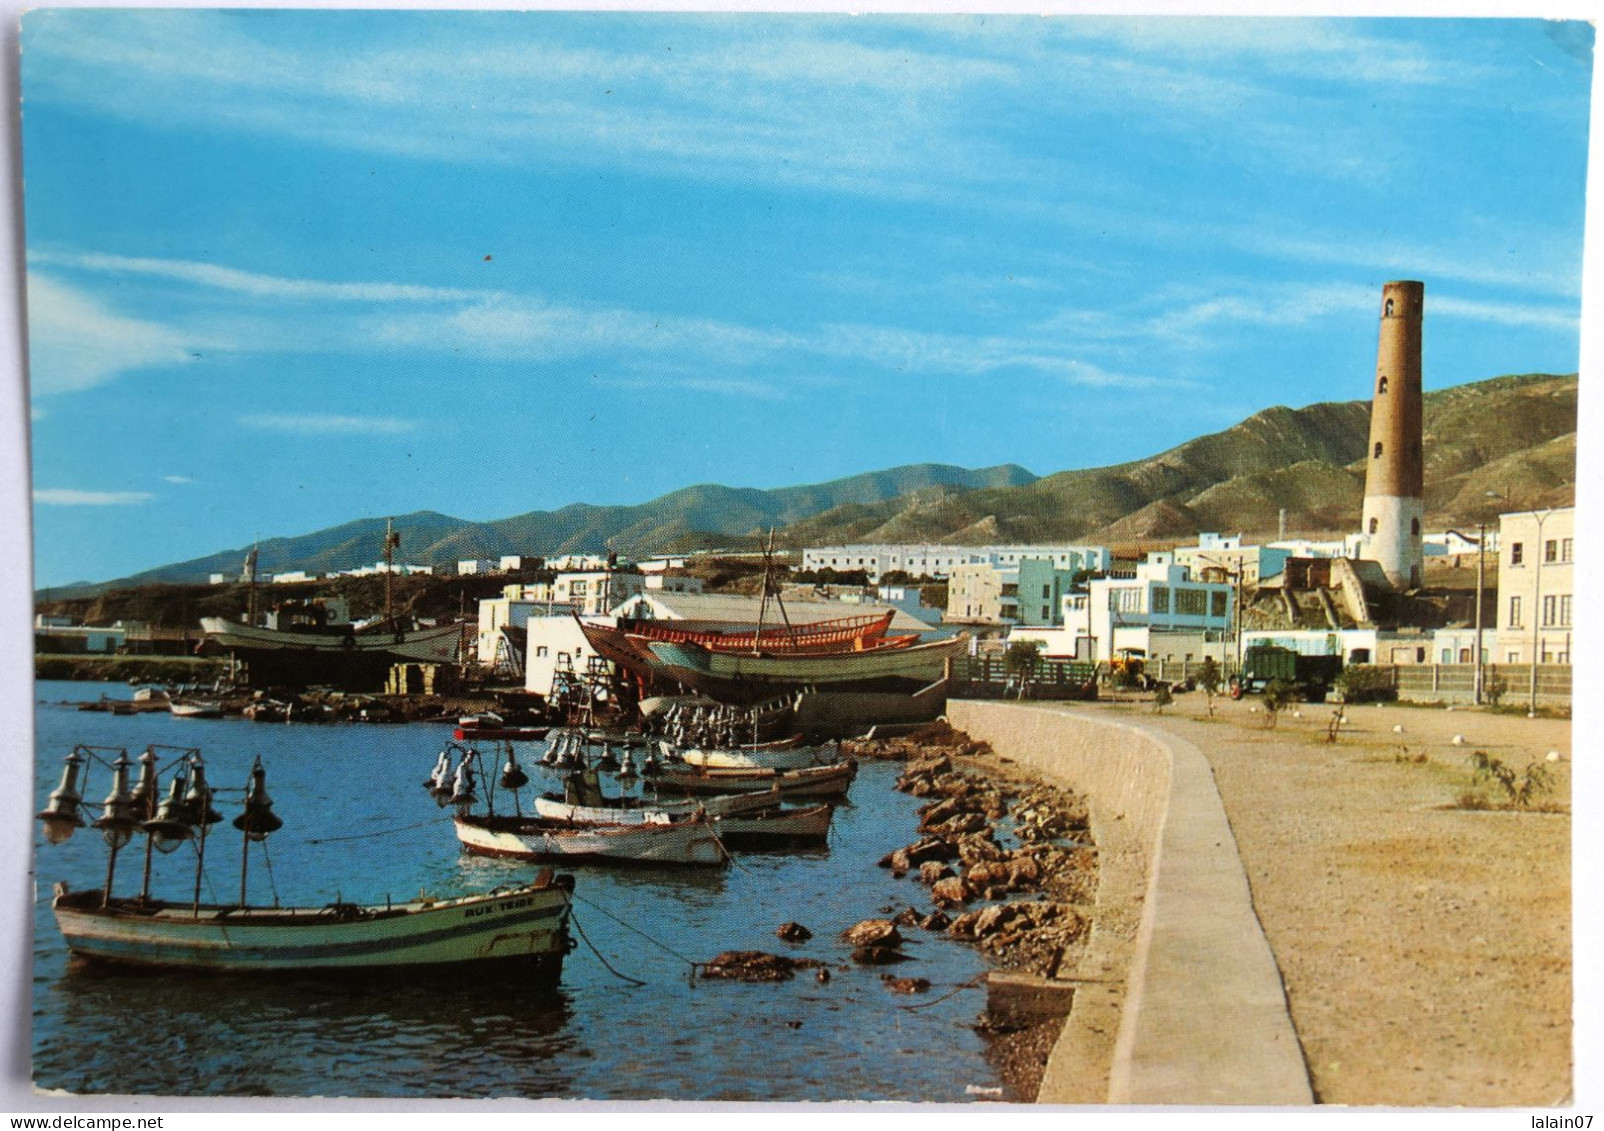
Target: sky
x=288, y=268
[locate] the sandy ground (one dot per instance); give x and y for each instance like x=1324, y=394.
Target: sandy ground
x=1426, y=950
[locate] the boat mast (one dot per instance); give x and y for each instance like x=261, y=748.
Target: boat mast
x=392, y=540
x=250, y=585
x=769, y=586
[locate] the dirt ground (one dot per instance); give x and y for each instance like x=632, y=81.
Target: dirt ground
x=1426, y=949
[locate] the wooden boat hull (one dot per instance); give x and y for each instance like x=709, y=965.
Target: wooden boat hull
x=778, y=825
x=534, y=838
x=527, y=927
x=816, y=781
x=425, y=645
x=645, y=811
x=182, y=709
x=840, y=633
x=734, y=676
x=491, y=734
x=790, y=757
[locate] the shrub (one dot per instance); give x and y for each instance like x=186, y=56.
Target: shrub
x=1161, y=698
x=1363, y=683
x=1519, y=789
x=1278, y=693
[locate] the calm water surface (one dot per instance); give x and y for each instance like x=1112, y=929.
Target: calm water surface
x=595, y=1037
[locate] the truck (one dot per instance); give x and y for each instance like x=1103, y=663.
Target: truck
x=1310, y=676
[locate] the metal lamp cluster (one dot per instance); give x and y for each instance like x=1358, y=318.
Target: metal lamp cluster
x=186, y=808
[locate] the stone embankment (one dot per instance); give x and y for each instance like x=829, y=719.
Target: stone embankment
x=1177, y=998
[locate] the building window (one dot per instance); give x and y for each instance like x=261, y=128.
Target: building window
x=1516, y=553
x=1514, y=612
x=1191, y=602
x=1378, y=450
x=1565, y=546
x=1381, y=386
x=1046, y=592
x=1373, y=525
x=1464, y=656
x=1388, y=311
x=1046, y=612
x=1414, y=526
x=1565, y=610
x=1161, y=598
x=1550, y=610
x=1551, y=550
x=1512, y=658
x=540, y=651
x=1447, y=655
x=1217, y=603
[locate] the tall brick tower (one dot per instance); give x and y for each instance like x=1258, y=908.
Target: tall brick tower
x=1394, y=481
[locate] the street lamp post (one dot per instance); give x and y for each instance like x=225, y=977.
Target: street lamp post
x=1537, y=610
x=1481, y=563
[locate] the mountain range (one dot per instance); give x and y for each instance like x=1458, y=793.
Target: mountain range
x=1504, y=444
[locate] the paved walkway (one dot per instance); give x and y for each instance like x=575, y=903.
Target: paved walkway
x=1203, y=1017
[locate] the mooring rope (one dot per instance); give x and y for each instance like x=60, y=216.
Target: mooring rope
x=972, y=984
x=369, y=836
x=691, y=962
x=574, y=919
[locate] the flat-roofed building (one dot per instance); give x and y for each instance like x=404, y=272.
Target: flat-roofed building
x=1536, y=586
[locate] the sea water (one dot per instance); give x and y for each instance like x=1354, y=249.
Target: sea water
x=358, y=826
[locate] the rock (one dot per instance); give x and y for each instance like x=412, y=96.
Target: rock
x=986, y=872
x=950, y=892
x=755, y=966
x=905, y=985
x=878, y=955
x=794, y=932
x=821, y=975
x=935, y=921
x=929, y=848
x=932, y=871
x=907, y=917
x=872, y=932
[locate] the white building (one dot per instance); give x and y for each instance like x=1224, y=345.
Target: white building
x=575, y=562
x=663, y=581
x=513, y=563
x=553, y=643
x=1536, y=586
x=293, y=576
x=469, y=566
x=1226, y=556
x=1130, y=612
x=594, y=592
x=938, y=560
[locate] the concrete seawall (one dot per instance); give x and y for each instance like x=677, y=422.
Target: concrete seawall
x=1178, y=998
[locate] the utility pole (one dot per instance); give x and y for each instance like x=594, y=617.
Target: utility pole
x=1537, y=607
x=1481, y=566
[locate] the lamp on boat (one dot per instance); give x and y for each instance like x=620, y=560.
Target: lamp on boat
x=60, y=815
x=258, y=820
x=146, y=788
x=608, y=761
x=512, y=774
x=199, y=797
x=439, y=779
x=119, y=812
x=167, y=828
x=462, y=786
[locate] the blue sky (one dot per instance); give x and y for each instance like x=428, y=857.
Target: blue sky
x=287, y=269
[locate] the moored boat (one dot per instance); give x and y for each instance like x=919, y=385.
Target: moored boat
x=196, y=709
x=683, y=840
x=812, y=781
x=738, y=676
x=523, y=927
x=425, y=645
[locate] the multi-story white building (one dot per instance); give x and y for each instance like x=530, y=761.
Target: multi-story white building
x=1225, y=556
x=1126, y=612
x=938, y=561
x=1536, y=586
x=594, y=592
x=978, y=592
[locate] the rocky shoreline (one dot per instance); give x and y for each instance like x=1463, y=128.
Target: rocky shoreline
x=1011, y=869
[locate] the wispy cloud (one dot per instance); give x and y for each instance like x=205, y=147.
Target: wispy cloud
x=75, y=342
x=312, y=424
x=70, y=497
x=177, y=479
x=250, y=283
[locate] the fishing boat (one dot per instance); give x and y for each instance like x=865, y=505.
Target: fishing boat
x=522, y=928
x=744, y=819
x=789, y=755
x=742, y=676
x=812, y=781
x=488, y=726
x=679, y=840
x=195, y=709
x=424, y=645
x=838, y=634
x=689, y=837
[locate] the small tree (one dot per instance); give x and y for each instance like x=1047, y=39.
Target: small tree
x=1162, y=698
x=1278, y=693
x=1210, y=679
x=1020, y=660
